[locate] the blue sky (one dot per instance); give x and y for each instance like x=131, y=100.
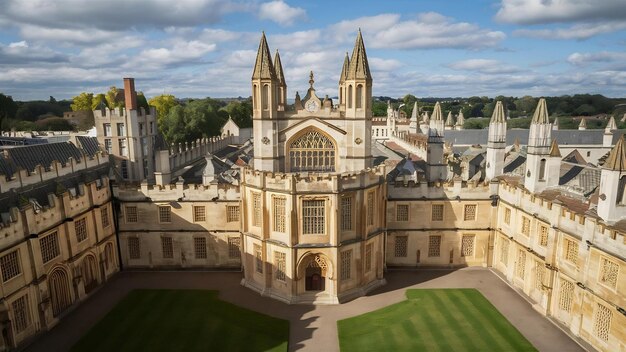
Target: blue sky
x=199, y=48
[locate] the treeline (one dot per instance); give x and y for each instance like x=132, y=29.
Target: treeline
x=473, y=107
x=184, y=120
x=38, y=115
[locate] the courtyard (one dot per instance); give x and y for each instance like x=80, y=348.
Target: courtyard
x=311, y=328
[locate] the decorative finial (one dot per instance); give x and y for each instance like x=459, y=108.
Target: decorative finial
x=311, y=80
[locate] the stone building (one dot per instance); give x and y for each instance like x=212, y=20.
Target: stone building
x=314, y=208
x=57, y=236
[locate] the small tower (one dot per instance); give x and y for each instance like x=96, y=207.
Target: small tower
x=449, y=121
x=607, y=138
x=555, y=124
x=437, y=169
x=612, y=200
x=413, y=123
x=582, y=125
x=358, y=83
x=460, y=120
x=281, y=92
x=496, y=143
x=265, y=86
x=553, y=165
x=424, y=123
x=538, y=149
x=342, y=83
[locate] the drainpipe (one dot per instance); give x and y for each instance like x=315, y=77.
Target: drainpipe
x=115, y=204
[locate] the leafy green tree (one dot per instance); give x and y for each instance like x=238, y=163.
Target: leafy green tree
x=142, y=102
x=33, y=110
x=379, y=108
x=526, y=104
x=240, y=112
x=408, y=101
x=199, y=118
x=114, y=98
x=82, y=102
x=8, y=108
x=97, y=101
x=163, y=103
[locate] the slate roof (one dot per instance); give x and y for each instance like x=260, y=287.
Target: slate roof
x=42, y=154
x=89, y=145
x=565, y=137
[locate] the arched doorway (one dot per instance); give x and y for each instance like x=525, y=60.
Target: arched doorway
x=90, y=276
x=59, y=289
x=314, y=279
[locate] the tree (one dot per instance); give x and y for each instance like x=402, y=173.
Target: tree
x=163, y=103
x=8, y=108
x=142, y=102
x=82, y=102
x=379, y=108
x=113, y=98
x=240, y=112
x=526, y=104
x=199, y=118
x=97, y=101
x=408, y=101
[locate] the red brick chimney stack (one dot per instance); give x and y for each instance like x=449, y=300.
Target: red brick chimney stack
x=130, y=96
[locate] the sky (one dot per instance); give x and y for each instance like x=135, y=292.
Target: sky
x=200, y=48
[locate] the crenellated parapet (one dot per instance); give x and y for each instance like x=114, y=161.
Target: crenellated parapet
x=313, y=182
x=456, y=189
x=120, y=113
x=170, y=163
x=23, y=177
x=177, y=192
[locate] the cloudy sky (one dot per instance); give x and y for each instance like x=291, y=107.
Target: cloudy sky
x=199, y=48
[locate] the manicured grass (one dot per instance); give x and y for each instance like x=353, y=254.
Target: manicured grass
x=433, y=320
x=183, y=320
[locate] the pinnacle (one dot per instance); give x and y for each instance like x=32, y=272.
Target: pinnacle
x=498, y=115
x=359, y=68
x=345, y=69
x=278, y=68
x=436, y=113
x=263, y=67
x=414, y=112
x=541, y=113
x=617, y=157
x=554, y=149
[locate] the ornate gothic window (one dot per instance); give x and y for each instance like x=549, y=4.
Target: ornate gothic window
x=312, y=151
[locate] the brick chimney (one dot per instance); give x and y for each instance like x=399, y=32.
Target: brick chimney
x=130, y=96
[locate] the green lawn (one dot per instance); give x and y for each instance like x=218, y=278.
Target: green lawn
x=433, y=320
x=183, y=320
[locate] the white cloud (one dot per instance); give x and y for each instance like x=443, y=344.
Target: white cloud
x=426, y=31
x=281, y=13
x=483, y=66
x=378, y=64
x=181, y=53
x=21, y=53
x=551, y=11
x=583, y=59
x=578, y=31
x=115, y=15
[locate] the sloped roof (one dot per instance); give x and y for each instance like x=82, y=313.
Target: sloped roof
x=359, y=67
x=263, y=67
x=89, y=145
x=28, y=157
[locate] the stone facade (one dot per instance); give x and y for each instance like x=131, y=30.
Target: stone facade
x=57, y=240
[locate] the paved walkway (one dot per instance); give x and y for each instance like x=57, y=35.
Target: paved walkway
x=313, y=328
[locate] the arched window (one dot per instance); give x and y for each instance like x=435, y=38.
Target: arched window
x=341, y=95
x=59, y=289
x=90, y=275
x=359, y=96
x=255, y=97
x=265, y=97
x=542, y=170
x=312, y=151
x=621, y=191
x=349, y=97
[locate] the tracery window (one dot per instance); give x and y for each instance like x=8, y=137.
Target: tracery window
x=602, y=322
x=566, y=294
x=520, y=267
x=467, y=245
x=313, y=217
x=346, y=213
x=543, y=235
x=539, y=274
x=368, y=257
x=609, y=271
x=312, y=151
x=401, y=246
x=504, y=251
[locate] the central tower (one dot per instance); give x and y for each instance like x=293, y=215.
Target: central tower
x=313, y=221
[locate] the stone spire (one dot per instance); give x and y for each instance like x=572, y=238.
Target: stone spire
x=436, y=124
x=413, y=123
x=359, y=68
x=437, y=115
x=555, y=124
x=541, y=113
x=263, y=67
x=298, y=102
x=278, y=69
x=498, y=115
x=449, y=120
x=611, y=125
x=460, y=120
x=617, y=157
x=345, y=69
x=583, y=124
x=554, y=149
